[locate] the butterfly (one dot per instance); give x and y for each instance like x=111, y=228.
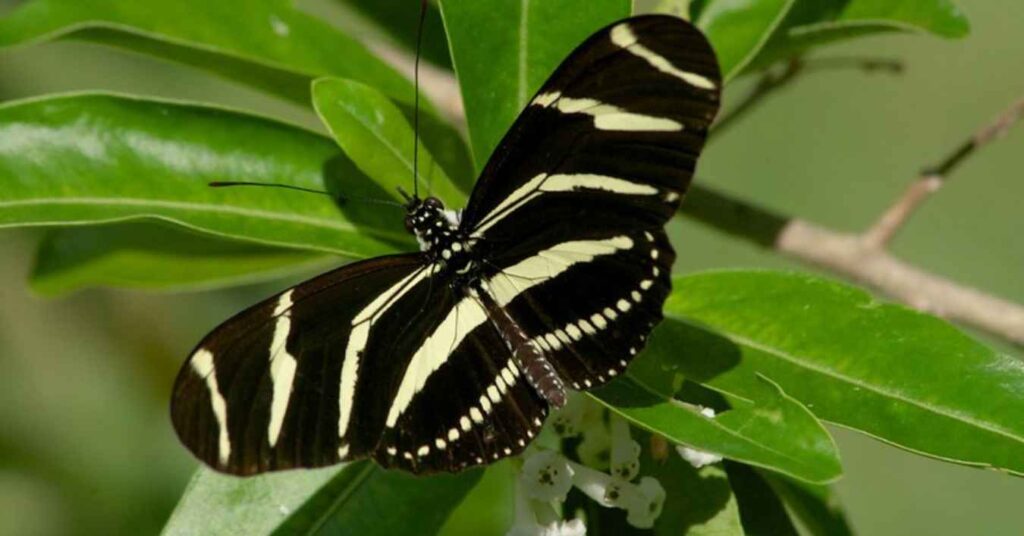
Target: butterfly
x=550, y=280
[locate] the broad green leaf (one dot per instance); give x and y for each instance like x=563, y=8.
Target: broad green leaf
x=817, y=507
x=898, y=375
x=265, y=43
x=490, y=507
x=761, y=510
x=220, y=505
x=366, y=500
x=399, y=18
x=160, y=257
x=377, y=137
x=81, y=159
x=738, y=29
x=698, y=502
x=768, y=429
x=816, y=22
x=503, y=51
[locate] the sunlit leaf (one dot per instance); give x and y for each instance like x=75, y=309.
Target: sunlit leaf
x=100, y=158
x=738, y=29
x=901, y=376
x=378, y=138
x=265, y=43
x=813, y=23
x=768, y=429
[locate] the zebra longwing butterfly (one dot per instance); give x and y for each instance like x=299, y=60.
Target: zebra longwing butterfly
x=550, y=279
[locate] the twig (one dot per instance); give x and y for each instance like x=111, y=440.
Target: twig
x=769, y=83
x=895, y=217
x=847, y=255
x=772, y=81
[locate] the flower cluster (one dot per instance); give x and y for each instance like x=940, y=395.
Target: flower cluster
x=547, y=475
x=608, y=473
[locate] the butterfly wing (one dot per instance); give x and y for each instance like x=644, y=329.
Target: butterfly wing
x=337, y=368
x=280, y=384
x=570, y=210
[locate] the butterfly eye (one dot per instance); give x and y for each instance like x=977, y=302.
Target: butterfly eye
x=432, y=202
x=409, y=226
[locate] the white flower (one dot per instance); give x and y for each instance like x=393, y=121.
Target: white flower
x=600, y=487
x=625, y=453
x=594, y=449
x=546, y=476
x=536, y=518
x=569, y=420
x=696, y=457
x=645, y=507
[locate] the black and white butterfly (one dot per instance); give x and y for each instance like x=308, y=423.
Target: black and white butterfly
x=550, y=279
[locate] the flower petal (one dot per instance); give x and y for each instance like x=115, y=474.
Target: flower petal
x=546, y=476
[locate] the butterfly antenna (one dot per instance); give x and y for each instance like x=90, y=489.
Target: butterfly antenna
x=416, y=104
x=340, y=197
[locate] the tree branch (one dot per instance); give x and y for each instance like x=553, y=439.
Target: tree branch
x=863, y=257
x=895, y=217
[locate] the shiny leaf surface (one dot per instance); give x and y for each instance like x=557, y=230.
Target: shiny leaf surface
x=83, y=159
x=904, y=377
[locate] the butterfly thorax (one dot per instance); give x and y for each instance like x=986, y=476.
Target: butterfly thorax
x=438, y=233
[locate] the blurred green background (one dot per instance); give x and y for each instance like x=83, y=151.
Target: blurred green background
x=85, y=443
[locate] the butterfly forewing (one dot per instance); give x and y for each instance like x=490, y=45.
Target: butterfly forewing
x=412, y=359
x=264, y=391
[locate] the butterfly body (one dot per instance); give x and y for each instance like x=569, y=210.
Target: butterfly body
x=550, y=280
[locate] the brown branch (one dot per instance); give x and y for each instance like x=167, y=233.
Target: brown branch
x=895, y=217
x=770, y=83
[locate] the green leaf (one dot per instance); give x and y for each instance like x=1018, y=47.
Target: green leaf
x=813, y=23
x=95, y=158
x=901, y=376
x=490, y=507
x=698, y=502
x=214, y=504
x=374, y=133
x=152, y=256
x=738, y=29
x=817, y=507
x=504, y=50
x=761, y=510
x=768, y=429
x=357, y=498
x=366, y=500
x=265, y=43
